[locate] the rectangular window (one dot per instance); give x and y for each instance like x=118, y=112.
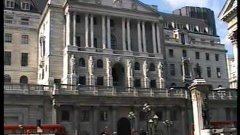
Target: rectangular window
x=218, y=73
x=8, y=19
x=170, y=52
x=25, y=5
x=153, y=84
x=65, y=115
x=183, y=39
x=9, y=3
x=78, y=19
x=137, y=83
x=172, y=69
x=95, y=20
x=24, y=39
x=24, y=21
x=173, y=115
x=95, y=42
x=207, y=56
x=103, y=116
x=217, y=57
x=8, y=38
x=78, y=41
x=7, y=58
x=184, y=53
x=85, y=115
x=197, y=55
x=100, y=81
x=209, y=72
x=24, y=60
x=112, y=23
x=82, y=80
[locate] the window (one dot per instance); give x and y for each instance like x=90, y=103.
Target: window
x=95, y=20
x=112, y=23
x=170, y=52
x=85, y=115
x=173, y=115
x=183, y=39
x=136, y=66
x=25, y=5
x=113, y=42
x=217, y=57
x=82, y=80
x=100, y=81
x=184, y=53
x=103, y=116
x=95, y=42
x=197, y=55
x=228, y=114
x=172, y=69
x=207, y=56
x=7, y=79
x=153, y=84
x=24, y=60
x=7, y=58
x=8, y=38
x=152, y=67
x=24, y=21
x=209, y=72
x=137, y=83
x=81, y=62
x=24, y=39
x=78, y=41
x=78, y=19
x=42, y=74
x=23, y=80
x=99, y=64
x=8, y=19
x=9, y=3
x=218, y=73
x=65, y=115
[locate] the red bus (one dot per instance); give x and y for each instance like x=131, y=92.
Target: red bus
x=33, y=129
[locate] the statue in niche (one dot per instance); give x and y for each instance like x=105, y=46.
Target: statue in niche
x=129, y=68
x=90, y=66
x=73, y=62
x=145, y=69
x=160, y=69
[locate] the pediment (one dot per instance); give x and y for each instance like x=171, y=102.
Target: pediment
x=134, y=5
x=227, y=6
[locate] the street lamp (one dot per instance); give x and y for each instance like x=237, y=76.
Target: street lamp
x=146, y=108
x=155, y=122
x=131, y=116
x=168, y=124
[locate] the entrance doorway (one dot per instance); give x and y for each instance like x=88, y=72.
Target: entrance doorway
x=118, y=75
x=123, y=127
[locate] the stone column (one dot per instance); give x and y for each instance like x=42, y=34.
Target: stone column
x=161, y=80
x=108, y=72
x=128, y=35
x=158, y=39
x=145, y=76
x=114, y=115
x=139, y=37
x=75, y=120
x=123, y=34
x=68, y=28
x=74, y=28
x=129, y=73
x=95, y=120
x=86, y=31
x=154, y=38
x=144, y=37
x=90, y=71
x=103, y=33
x=108, y=33
x=92, y=31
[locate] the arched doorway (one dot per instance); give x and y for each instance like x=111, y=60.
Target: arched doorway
x=118, y=75
x=123, y=127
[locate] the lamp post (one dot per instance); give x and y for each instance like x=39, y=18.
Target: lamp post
x=155, y=122
x=168, y=124
x=146, y=108
x=131, y=116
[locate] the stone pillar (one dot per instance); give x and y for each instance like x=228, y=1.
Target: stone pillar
x=86, y=31
x=95, y=120
x=154, y=38
x=91, y=78
x=54, y=112
x=92, y=31
x=75, y=120
x=129, y=73
x=158, y=39
x=145, y=74
x=103, y=33
x=139, y=37
x=68, y=28
x=114, y=121
x=161, y=80
x=123, y=34
x=108, y=72
x=128, y=35
x=108, y=33
x=74, y=28
x=144, y=37
x=199, y=90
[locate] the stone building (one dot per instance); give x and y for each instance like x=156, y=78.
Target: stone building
x=98, y=60
x=228, y=14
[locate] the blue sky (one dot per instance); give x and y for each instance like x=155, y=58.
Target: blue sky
x=216, y=5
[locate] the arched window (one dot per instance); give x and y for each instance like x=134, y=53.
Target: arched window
x=81, y=62
x=152, y=67
x=137, y=66
x=23, y=80
x=99, y=63
x=113, y=42
x=7, y=78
